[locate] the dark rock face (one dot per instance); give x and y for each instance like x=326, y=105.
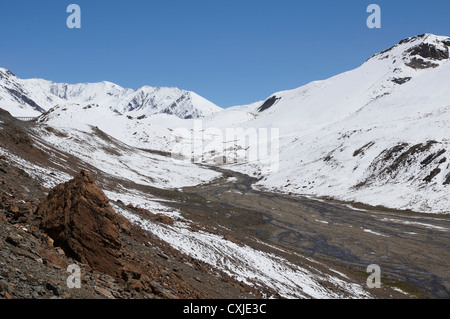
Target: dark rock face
x=447, y=180
x=420, y=56
x=417, y=63
x=432, y=175
x=268, y=103
x=429, y=51
x=78, y=217
x=396, y=161
x=430, y=158
x=423, y=53
x=22, y=98
x=401, y=81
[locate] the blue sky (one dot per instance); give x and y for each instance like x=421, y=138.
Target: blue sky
x=231, y=52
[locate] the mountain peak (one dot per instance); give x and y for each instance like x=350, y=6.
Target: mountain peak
x=32, y=97
x=5, y=73
x=419, y=52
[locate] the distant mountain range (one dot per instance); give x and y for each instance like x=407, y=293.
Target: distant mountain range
x=32, y=97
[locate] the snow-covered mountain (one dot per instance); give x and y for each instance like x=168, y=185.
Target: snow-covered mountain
x=378, y=134
x=32, y=97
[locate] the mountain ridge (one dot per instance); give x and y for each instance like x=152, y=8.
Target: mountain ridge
x=32, y=97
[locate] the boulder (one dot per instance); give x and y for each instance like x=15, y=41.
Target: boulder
x=78, y=217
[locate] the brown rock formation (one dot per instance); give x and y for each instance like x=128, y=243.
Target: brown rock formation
x=78, y=217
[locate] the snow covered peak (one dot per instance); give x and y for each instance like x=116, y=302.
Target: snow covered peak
x=149, y=100
x=322, y=103
x=5, y=73
x=420, y=52
x=32, y=97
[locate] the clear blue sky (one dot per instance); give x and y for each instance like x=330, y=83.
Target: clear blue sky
x=229, y=51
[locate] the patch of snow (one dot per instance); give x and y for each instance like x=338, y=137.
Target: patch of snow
x=375, y=233
x=405, y=222
x=247, y=264
x=49, y=178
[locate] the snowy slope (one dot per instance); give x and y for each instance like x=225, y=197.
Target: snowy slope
x=325, y=102
x=378, y=134
x=32, y=97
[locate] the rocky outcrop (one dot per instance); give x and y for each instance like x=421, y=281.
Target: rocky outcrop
x=268, y=103
x=78, y=217
x=423, y=55
x=429, y=51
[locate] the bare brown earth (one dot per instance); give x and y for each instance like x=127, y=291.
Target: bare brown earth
x=34, y=263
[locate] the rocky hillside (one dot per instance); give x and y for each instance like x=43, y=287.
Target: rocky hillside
x=43, y=230
x=75, y=225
